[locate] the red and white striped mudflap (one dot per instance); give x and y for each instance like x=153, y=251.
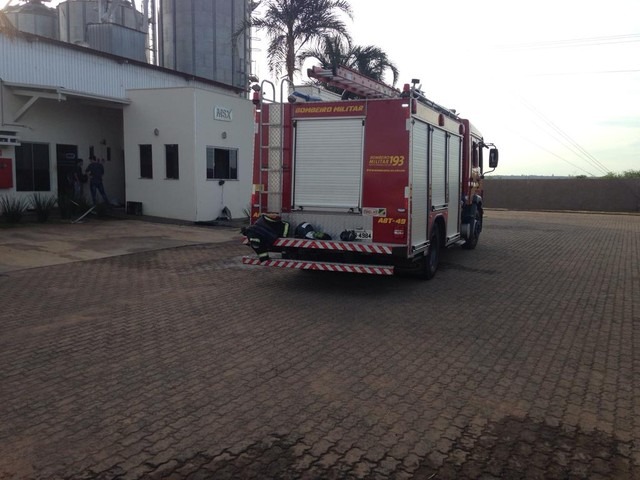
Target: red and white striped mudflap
x=336, y=246
x=321, y=266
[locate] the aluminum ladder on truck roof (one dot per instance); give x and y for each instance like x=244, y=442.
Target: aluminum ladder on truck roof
x=355, y=82
x=352, y=81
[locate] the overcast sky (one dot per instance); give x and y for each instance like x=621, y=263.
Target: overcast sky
x=555, y=84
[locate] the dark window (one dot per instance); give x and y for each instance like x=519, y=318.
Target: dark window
x=146, y=161
x=171, y=155
x=222, y=163
x=475, y=159
x=32, y=167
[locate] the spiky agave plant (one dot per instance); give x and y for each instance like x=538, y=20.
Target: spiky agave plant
x=43, y=205
x=13, y=208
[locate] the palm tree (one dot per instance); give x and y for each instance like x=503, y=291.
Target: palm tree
x=294, y=24
x=332, y=52
x=369, y=60
x=373, y=62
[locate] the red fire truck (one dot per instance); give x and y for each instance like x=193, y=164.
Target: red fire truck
x=389, y=178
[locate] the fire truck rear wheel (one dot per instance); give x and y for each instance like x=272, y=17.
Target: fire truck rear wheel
x=476, y=228
x=432, y=258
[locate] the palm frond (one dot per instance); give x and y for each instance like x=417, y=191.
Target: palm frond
x=292, y=25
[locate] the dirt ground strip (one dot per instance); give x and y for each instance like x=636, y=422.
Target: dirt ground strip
x=521, y=359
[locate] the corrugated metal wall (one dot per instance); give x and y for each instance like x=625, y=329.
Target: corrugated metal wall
x=49, y=63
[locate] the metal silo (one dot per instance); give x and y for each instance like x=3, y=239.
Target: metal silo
x=196, y=37
x=112, y=26
x=73, y=18
x=118, y=40
x=34, y=17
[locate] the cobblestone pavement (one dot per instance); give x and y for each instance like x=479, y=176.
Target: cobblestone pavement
x=521, y=359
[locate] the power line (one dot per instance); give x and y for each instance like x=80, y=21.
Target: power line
x=576, y=42
x=558, y=156
x=599, y=72
x=572, y=144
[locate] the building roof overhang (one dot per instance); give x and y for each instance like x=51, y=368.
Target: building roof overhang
x=61, y=94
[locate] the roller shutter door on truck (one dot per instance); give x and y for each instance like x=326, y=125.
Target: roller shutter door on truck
x=419, y=157
x=328, y=163
x=438, y=169
x=454, y=186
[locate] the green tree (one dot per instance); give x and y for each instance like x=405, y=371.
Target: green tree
x=369, y=60
x=292, y=25
x=625, y=174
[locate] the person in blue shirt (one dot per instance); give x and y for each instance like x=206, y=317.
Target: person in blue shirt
x=96, y=172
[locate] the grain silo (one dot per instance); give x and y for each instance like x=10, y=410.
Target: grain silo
x=33, y=17
x=196, y=37
x=115, y=27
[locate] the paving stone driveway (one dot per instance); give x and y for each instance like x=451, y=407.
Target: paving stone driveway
x=521, y=359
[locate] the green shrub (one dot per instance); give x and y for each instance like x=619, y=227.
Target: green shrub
x=43, y=205
x=625, y=174
x=13, y=208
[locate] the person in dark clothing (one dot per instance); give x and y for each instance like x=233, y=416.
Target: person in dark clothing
x=262, y=234
x=77, y=179
x=96, y=172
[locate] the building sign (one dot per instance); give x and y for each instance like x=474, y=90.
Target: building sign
x=222, y=113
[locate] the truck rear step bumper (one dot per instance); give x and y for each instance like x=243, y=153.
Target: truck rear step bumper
x=321, y=266
x=378, y=248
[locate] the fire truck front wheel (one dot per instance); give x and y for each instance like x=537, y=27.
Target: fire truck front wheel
x=476, y=228
x=431, y=260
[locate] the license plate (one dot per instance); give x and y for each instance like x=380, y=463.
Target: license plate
x=364, y=235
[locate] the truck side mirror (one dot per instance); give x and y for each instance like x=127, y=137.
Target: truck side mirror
x=493, y=158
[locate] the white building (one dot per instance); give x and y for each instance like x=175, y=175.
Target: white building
x=194, y=150
x=167, y=139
